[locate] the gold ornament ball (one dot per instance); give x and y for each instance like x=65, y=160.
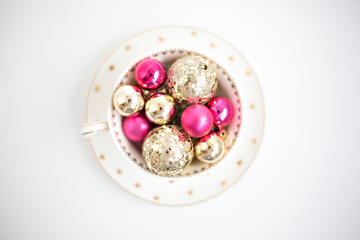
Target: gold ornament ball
x=128, y=100
x=210, y=148
x=192, y=79
x=167, y=150
x=160, y=108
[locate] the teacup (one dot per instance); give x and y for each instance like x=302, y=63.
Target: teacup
x=132, y=151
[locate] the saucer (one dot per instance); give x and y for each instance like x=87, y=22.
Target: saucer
x=190, y=188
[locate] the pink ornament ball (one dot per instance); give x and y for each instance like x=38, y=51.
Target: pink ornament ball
x=150, y=74
x=222, y=110
x=197, y=120
x=136, y=127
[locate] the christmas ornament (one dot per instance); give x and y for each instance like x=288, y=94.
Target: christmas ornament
x=150, y=74
x=210, y=148
x=197, y=120
x=191, y=79
x=160, y=108
x=222, y=110
x=136, y=127
x=219, y=131
x=128, y=100
x=167, y=150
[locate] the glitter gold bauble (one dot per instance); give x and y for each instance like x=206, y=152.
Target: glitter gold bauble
x=160, y=108
x=167, y=150
x=191, y=79
x=128, y=100
x=210, y=148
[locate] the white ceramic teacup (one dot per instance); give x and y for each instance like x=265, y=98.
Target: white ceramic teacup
x=131, y=150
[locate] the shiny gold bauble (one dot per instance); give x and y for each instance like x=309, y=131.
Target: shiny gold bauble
x=160, y=108
x=210, y=148
x=128, y=100
x=167, y=150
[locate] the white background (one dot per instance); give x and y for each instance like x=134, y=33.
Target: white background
x=304, y=182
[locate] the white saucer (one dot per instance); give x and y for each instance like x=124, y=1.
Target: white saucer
x=187, y=189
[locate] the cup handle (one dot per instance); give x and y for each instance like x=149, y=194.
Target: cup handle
x=89, y=129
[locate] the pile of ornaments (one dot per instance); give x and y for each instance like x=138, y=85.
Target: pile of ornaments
x=166, y=113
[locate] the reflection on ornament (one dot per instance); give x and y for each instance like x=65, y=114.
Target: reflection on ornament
x=191, y=79
x=128, y=100
x=167, y=150
x=210, y=148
